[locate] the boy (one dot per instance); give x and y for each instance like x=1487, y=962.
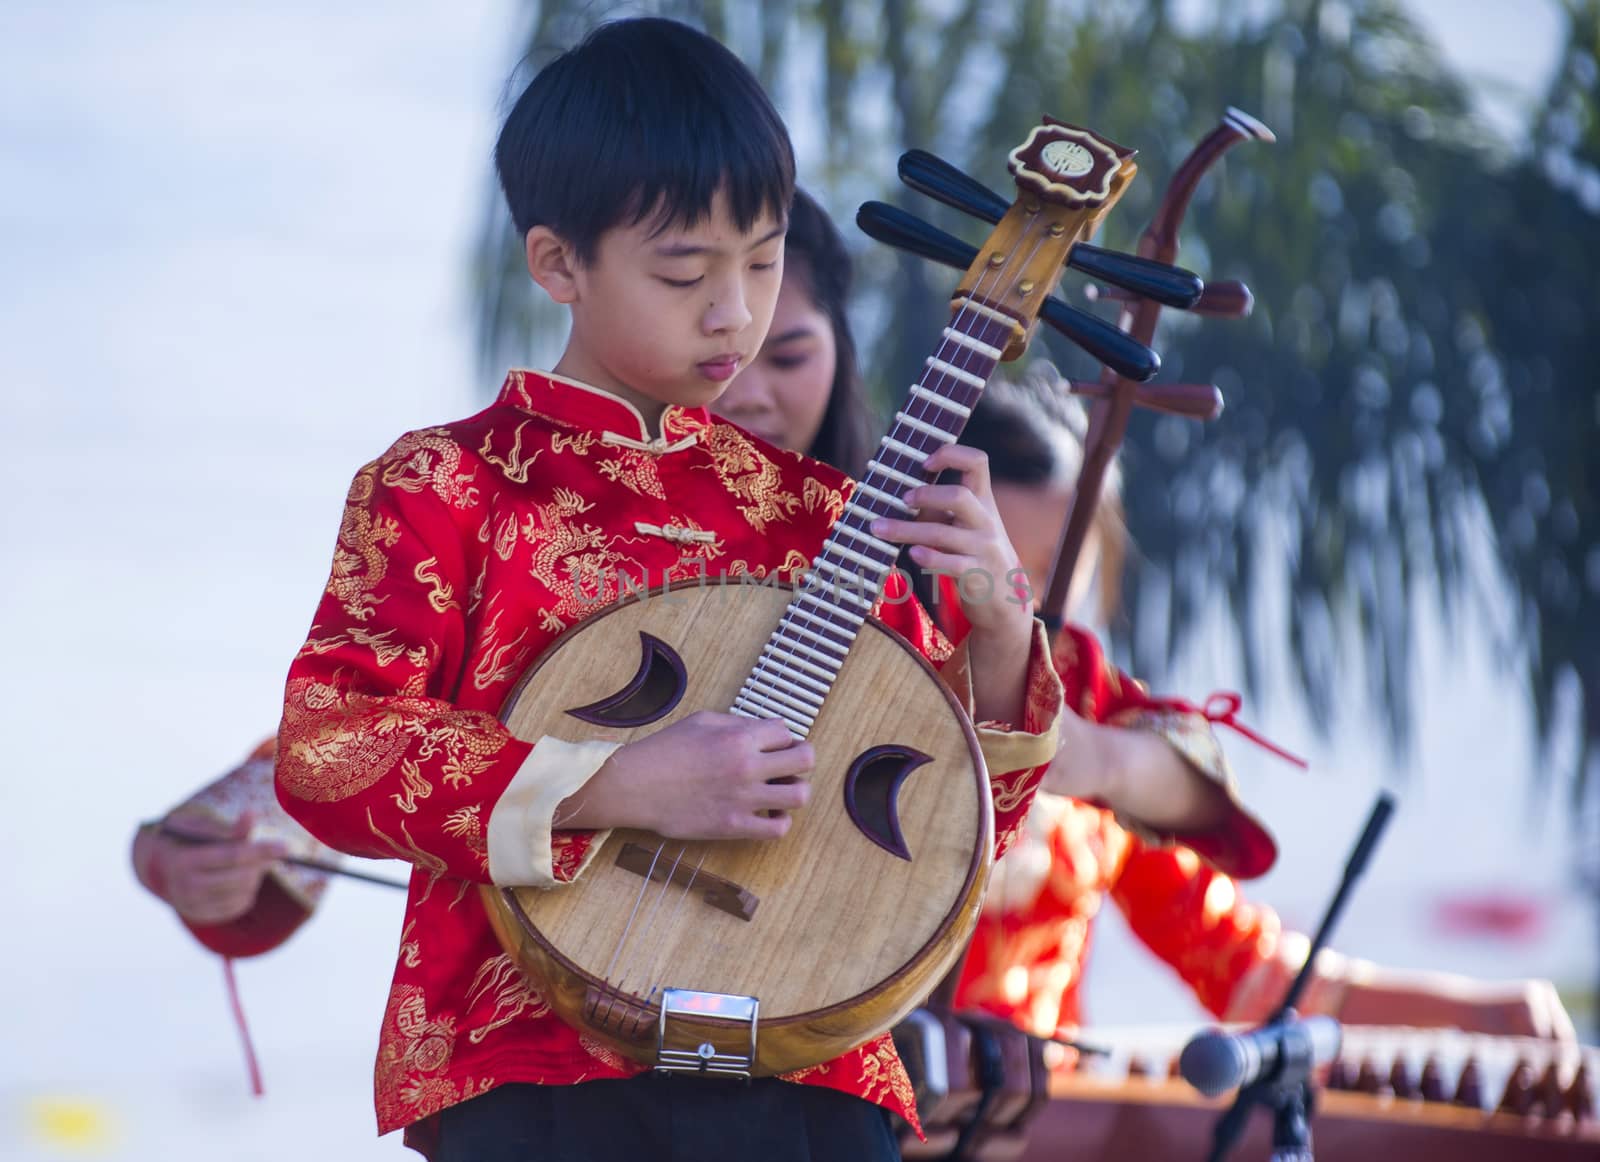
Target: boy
x=651, y=178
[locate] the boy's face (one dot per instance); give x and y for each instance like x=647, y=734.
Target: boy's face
x=670, y=317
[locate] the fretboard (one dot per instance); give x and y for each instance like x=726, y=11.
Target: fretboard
x=803, y=656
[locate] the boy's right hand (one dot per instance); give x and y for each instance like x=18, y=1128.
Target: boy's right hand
x=708, y=776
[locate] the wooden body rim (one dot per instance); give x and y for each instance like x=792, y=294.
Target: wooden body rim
x=814, y=1033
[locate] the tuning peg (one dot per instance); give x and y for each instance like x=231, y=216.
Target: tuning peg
x=1195, y=401
x=1106, y=342
x=895, y=227
x=1227, y=299
x=1171, y=286
x=930, y=174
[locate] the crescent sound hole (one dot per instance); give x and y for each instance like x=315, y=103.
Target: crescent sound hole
x=872, y=791
x=650, y=695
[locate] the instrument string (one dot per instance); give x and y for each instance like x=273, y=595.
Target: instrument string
x=663, y=941
x=628, y=927
x=654, y=910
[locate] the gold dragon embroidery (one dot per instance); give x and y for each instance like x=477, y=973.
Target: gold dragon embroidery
x=513, y=465
x=499, y=661
x=429, y=459
x=359, y=564
x=749, y=476
x=502, y=984
x=442, y=594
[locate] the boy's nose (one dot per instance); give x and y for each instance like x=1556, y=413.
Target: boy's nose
x=727, y=314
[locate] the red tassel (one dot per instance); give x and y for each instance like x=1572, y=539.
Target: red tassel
x=1223, y=707
x=244, y=1029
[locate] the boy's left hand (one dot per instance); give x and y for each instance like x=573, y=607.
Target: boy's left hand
x=958, y=531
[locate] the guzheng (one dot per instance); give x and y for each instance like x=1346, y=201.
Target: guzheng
x=1416, y=1094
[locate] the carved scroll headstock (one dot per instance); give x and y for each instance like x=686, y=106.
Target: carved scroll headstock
x=1068, y=164
x=1067, y=179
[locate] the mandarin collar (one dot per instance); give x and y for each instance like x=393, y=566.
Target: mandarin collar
x=570, y=401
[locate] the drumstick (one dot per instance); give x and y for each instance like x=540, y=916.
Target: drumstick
x=181, y=836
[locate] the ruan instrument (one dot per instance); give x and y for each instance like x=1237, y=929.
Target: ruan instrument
x=742, y=958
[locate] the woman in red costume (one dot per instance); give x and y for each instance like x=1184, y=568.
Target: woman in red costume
x=1095, y=832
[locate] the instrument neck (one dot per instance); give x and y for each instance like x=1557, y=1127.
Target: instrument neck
x=846, y=579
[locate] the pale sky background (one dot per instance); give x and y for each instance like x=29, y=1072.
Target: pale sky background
x=233, y=245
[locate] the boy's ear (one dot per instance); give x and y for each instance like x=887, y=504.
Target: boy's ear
x=551, y=264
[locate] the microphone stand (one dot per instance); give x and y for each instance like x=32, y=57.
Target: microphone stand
x=1287, y=1090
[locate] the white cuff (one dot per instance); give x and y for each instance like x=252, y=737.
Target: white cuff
x=520, y=843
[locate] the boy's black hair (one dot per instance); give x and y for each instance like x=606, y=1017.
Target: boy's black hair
x=644, y=118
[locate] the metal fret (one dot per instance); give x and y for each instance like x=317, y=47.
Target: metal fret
x=973, y=344
x=916, y=455
x=798, y=721
x=855, y=619
x=817, y=637
x=956, y=373
x=894, y=474
x=789, y=673
x=922, y=426
x=770, y=685
x=852, y=555
x=843, y=526
x=887, y=498
x=943, y=401
x=771, y=693
x=792, y=658
x=853, y=586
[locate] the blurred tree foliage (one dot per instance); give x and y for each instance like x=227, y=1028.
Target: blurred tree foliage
x=1412, y=408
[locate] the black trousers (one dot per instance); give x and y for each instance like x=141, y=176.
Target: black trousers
x=671, y=1119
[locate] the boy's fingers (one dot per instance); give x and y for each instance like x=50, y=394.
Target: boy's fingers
x=785, y=796
x=791, y=763
x=766, y=826
x=948, y=538
x=962, y=568
x=971, y=463
x=771, y=734
x=960, y=502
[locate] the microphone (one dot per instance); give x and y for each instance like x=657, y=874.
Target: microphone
x=1284, y=1051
